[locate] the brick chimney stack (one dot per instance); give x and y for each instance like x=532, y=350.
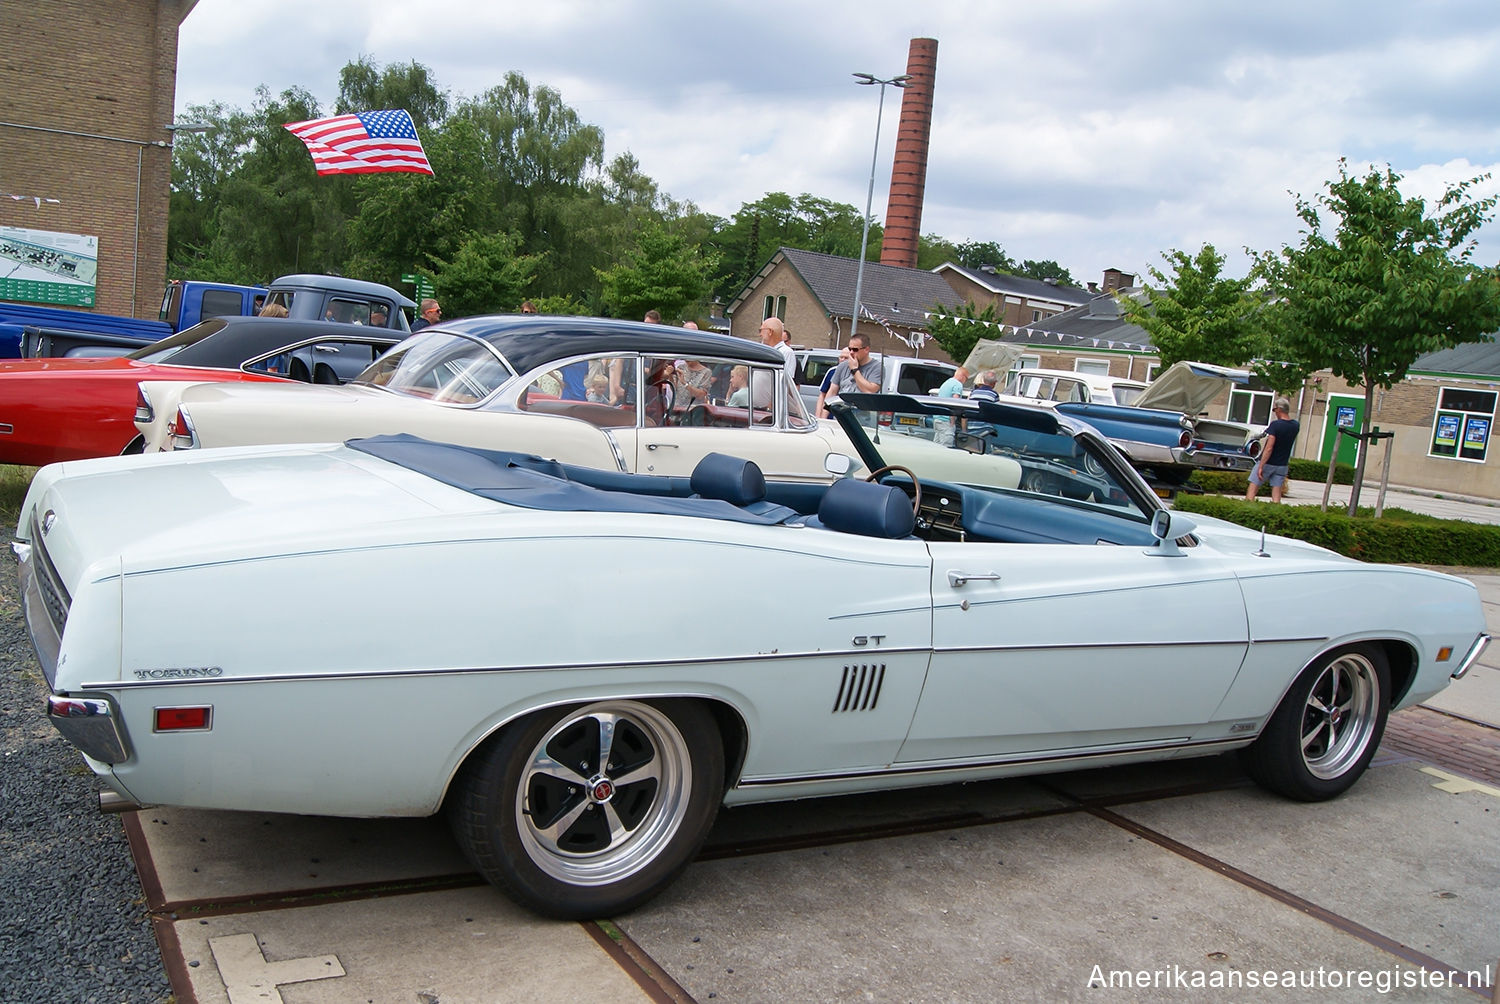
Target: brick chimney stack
x=903, y=214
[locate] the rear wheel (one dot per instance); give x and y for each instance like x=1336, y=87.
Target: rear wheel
x=589, y=811
x=1325, y=731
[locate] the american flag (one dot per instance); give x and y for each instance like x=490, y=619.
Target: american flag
x=363, y=144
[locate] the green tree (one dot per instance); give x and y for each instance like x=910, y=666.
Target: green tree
x=806, y=222
x=486, y=275
x=1198, y=313
x=365, y=87
x=1048, y=269
x=1377, y=281
x=976, y=254
x=959, y=331
x=663, y=272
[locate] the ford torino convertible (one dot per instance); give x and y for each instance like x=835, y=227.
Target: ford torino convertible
x=579, y=666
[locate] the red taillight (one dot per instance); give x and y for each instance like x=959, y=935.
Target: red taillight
x=195, y=719
x=181, y=432
x=1185, y=440
x=885, y=418
x=1255, y=447
x=143, y=410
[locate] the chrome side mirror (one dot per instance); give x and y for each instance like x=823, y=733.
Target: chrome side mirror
x=1167, y=526
x=838, y=464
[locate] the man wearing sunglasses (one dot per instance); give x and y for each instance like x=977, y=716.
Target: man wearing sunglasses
x=858, y=370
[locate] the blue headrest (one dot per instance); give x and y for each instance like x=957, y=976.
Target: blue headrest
x=728, y=479
x=866, y=508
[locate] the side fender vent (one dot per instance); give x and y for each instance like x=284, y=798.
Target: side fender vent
x=860, y=688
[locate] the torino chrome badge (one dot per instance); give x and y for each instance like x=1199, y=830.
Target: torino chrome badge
x=48, y=518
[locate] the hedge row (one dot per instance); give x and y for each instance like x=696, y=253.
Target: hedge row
x=1397, y=536
x=1234, y=483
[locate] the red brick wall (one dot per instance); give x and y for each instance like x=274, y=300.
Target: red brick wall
x=107, y=68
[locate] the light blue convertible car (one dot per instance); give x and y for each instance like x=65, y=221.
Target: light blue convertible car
x=579, y=667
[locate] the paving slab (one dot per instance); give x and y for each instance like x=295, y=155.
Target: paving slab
x=1023, y=910
x=202, y=854
x=1398, y=853
x=462, y=945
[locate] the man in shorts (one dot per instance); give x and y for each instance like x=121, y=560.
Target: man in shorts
x=1276, y=454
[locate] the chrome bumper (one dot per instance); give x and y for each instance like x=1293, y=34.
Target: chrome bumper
x=1472, y=656
x=91, y=724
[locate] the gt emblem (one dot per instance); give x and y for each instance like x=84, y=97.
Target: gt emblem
x=602, y=790
x=48, y=518
x=868, y=639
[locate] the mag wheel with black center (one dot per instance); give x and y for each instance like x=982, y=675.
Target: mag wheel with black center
x=1324, y=733
x=589, y=811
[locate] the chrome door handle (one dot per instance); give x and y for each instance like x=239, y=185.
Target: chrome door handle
x=661, y=446
x=957, y=578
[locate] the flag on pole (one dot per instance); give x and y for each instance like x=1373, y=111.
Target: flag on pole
x=365, y=143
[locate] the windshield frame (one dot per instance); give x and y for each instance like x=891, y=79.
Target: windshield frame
x=1104, y=461
x=428, y=344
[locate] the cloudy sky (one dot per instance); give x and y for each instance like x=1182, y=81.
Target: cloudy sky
x=1095, y=133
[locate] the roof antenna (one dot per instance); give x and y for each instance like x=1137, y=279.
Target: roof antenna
x=1262, y=553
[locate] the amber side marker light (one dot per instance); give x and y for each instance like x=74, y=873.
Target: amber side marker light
x=1445, y=653
x=197, y=719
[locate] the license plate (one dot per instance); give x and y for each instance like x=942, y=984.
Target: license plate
x=908, y=420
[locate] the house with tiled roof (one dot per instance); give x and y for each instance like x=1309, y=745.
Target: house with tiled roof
x=813, y=294
x=1017, y=299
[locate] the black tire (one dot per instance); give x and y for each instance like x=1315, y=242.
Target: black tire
x=1325, y=731
x=626, y=830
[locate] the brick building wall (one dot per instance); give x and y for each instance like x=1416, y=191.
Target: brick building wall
x=107, y=68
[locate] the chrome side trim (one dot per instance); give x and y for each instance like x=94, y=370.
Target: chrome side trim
x=1472, y=656
x=1017, y=760
x=91, y=724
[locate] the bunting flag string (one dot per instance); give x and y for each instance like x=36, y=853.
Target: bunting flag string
x=38, y=199
x=1030, y=334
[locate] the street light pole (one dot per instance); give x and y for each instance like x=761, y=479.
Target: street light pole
x=866, y=79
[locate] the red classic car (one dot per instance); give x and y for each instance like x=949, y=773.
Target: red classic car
x=71, y=409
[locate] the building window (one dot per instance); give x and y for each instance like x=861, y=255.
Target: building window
x=781, y=307
x=1253, y=407
x=1036, y=315
x=1461, y=426
x=1099, y=367
x=773, y=305
x=1151, y=370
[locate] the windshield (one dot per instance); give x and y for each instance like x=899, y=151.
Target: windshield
x=163, y=350
x=1010, y=450
x=439, y=366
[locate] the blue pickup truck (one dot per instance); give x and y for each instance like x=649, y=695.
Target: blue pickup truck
x=31, y=331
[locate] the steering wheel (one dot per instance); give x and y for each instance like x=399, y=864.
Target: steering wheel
x=916, y=502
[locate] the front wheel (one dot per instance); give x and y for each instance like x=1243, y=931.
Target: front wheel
x=587, y=812
x=1325, y=731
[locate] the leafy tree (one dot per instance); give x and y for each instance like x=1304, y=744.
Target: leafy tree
x=364, y=87
x=486, y=275
x=976, y=254
x=1048, y=269
x=776, y=220
x=1383, y=282
x=959, y=331
x=559, y=305
x=1198, y=313
x=274, y=213
x=663, y=272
